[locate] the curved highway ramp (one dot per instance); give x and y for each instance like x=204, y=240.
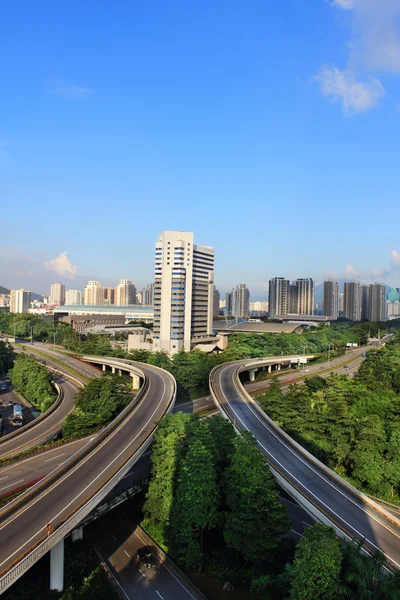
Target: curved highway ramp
x=326, y=496
x=40, y=517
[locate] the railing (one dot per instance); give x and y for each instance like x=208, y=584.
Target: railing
x=44, y=544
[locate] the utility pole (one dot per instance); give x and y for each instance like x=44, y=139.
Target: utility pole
x=329, y=354
x=54, y=340
x=31, y=335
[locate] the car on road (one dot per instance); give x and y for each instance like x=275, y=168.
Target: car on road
x=3, y=387
x=146, y=556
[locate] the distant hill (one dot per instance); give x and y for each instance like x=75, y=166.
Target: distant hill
x=34, y=296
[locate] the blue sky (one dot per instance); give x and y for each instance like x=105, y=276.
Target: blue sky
x=271, y=130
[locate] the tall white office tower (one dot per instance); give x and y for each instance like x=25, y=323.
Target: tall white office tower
x=19, y=301
x=278, y=296
x=331, y=298
x=240, y=301
x=352, y=300
x=183, y=292
x=73, y=297
x=57, y=294
x=93, y=294
x=125, y=293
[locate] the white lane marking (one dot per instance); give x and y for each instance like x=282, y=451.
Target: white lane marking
x=157, y=592
x=297, y=533
x=11, y=484
x=85, y=460
x=141, y=572
x=113, y=536
x=270, y=430
x=307, y=524
x=1, y=478
x=165, y=564
x=127, y=554
x=299, y=482
x=54, y=457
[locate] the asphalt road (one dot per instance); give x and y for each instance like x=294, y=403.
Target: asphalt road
x=358, y=520
x=117, y=542
x=27, y=438
x=55, y=503
x=6, y=410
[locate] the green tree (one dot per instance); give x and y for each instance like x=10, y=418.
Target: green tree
x=256, y=517
x=316, y=566
x=6, y=358
x=166, y=457
x=197, y=499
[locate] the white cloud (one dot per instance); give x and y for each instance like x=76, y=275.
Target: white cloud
x=346, y=4
x=376, y=33
x=62, y=266
x=395, y=257
x=350, y=271
x=70, y=90
x=342, y=86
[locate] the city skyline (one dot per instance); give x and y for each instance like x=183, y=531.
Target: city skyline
x=208, y=136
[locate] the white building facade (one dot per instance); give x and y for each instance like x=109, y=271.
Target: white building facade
x=94, y=294
x=125, y=293
x=20, y=301
x=57, y=294
x=73, y=297
x=183, y=292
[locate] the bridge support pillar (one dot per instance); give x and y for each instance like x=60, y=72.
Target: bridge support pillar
x=104, y=367
x=279, y=367
x=77, y=534
x=135, y=381
x=252, y=374
x=269, y=368
x=57, y=566
x=113, y=369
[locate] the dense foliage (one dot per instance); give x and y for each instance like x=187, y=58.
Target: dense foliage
x=6, y=359
x=100, y=401
x=210, y=493
x=31, y=379
x=353, y=425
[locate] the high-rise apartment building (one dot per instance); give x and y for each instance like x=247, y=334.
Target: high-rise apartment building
x=73, y=297
x=57, y=294
x=125, y=293
x=365, y=302
x=331, y=298
x=293, y=298
x=183, y=291
x=377, y=302
x=352, y=300
x=148, y=295
x=109, y=295
x=278, y=296
x=216, y=300
x=228, y=304
x=93, y=294
x=240, y=301
x=305, y=296
x=19, y=301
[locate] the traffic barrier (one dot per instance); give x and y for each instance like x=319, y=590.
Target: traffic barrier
x=70, y=521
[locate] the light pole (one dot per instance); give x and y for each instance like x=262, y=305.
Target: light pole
x=304, y=353
x=31, y=335
x=329, y=353
x=54, y=340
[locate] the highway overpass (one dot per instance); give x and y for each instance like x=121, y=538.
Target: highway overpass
x=37, y=520
x=324, y=495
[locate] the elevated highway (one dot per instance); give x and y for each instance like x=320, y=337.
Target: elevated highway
x=38, y=519
x=326, y=496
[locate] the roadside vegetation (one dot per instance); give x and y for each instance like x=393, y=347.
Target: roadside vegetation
x=31, y=379
x=84, y=579
x=6, y=359
x=213, y=505
x=352, y=425
x=98, y=403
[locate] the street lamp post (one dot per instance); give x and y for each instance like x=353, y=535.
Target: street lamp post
x=31, y=335
x=329, y=354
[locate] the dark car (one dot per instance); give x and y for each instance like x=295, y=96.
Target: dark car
x=146, y=556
